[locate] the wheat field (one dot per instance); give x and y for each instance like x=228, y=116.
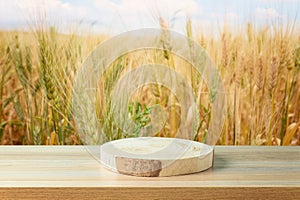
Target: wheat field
x=259, y=68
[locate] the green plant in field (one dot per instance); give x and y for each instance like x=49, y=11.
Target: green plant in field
x=104, y=109
x=140, y=115
x=4, y=78
x=24, y=73
x=58, y=63
x=45, y=71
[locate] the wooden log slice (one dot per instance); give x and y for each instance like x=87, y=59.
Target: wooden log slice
x=155, y=156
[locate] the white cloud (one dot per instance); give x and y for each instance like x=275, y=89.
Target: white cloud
x=21, y=12
x=55, y=9
x=267, y=13
x=137, y=10
x=231, y=16
x=116, y=16
x=163, y=6
x=228, y=17
x=123, y=15
x=109, y=14
x=279, y=1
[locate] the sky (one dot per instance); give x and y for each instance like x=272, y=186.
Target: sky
x=116, y=16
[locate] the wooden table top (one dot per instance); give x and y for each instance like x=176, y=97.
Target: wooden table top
x=73, y=171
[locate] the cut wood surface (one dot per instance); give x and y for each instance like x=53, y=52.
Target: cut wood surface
x=156, y=156
x=62, y=172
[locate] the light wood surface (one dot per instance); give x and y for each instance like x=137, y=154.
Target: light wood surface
x=156, y=156
x=68, y=172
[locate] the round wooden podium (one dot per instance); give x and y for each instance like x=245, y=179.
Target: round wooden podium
x=155, y=156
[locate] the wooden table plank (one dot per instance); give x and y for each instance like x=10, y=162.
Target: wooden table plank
x=65, y=171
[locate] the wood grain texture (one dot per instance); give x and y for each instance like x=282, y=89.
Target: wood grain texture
x=180, y=193
x=64, y=172
x=156, y=156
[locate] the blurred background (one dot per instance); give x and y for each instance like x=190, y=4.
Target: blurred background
x=254, y=43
